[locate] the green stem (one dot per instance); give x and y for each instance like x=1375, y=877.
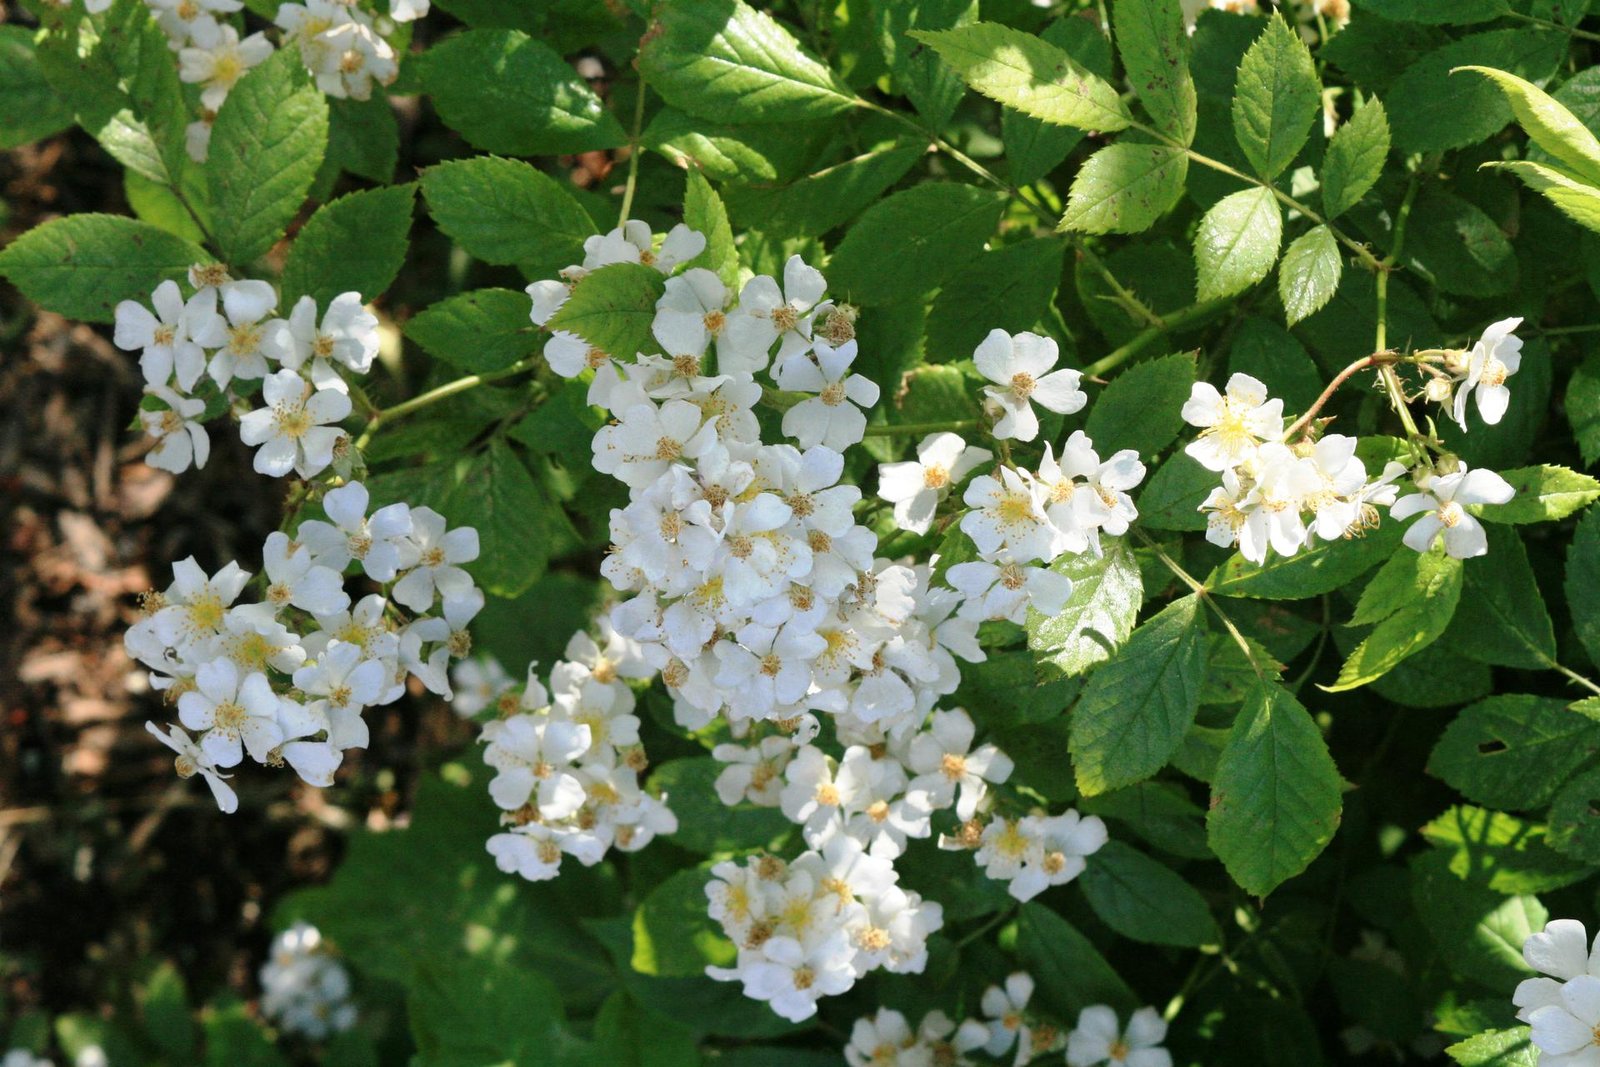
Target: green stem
x=1389, y=376
x=1166, y=324
x=633, y=155
x=912, y=429
x=433, y=396
x=1570, y=31
x=1199, y=590
x=1361, y=251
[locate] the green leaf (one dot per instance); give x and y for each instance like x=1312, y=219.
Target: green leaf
x=705, y=824
x=1159, y=813
x=235, y=1039
x=33, y=109
x=506, y=211
x=1355, y=159
x=1070, y=972
x=1172, y=497
x=142, y=58
x=1141, y=407
x=1579, y=202
x=471, y=1013
x=672, y=934
x=1583, y=408
x=1029, y=74
x=1310, y=273
x=625, y=1036
x=1137, y=708
x=1582, y=580
x=1411, y=600
x=1478, y=932
x=1106, y=592
x=1011, y=288
x=159, y=205
x=1035, y=147
x=934, y=227
x=1497, y=1048
x=1125, y=188
x=457, y=904
x=821, y=201
x=1155, y=50
x=498, y=497
x=1575, y=818
x=166, y=1014
x=506, y=92
x=266, y=146
x=1455, y=13
x=364, y=137
x=1459, y=247
x=1275, y=799
x=726, y=152
x=1502, y=618
x=1145, y=900
x=1330, y=565
x=357, y=242
x=1430, y=111
x=1513, y=751
x=726, y=61
x=612, y=308
x=1277, y=98
x=1266, y=351
x=1501, y=851
x=484, y=330
x=931, y=86
x=1548, y=124
x=1543, y=494
x=704, y=213
x=80, y=266
x=1237, y=242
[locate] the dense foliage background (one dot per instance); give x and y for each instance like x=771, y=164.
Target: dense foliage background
x=1342, y=788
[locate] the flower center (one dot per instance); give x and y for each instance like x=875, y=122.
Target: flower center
x=230, y=716
x=686, y=366
x=164, y=334
x=185, y=766
x=1451, y=514
x=953, y=765
x=205, y=612
x=1016, y=508
x=739, y=545
x=292, y=422
x=771, y=664
x=279, y=593
x=340, y=697
x=227, y=69
x=171, y=422
x=1119, y=1050
x=803, y=977
x=1055, y=862
x=878, y=810
x=322, y=346
x=459, y=644
x=244, y=338
x=359, y=544
x=433, y=557
x=1494, y=373
x=714, y=322
x=596, y=358
x=828, y=795
x=784, y=318
x=668, y=449
x=833, y=394
x=188, y=10
x=935, y=477
x=802, y=504
x=819, y=541
x=1022, y=384
x=1012, y=578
